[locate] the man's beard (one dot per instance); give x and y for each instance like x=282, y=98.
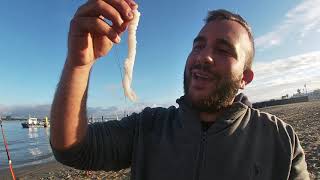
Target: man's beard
x=219, y=98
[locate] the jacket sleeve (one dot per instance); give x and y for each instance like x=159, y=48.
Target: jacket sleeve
x=107, y=146
x=298, y=163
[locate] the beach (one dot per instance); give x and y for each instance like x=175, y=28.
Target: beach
x=54, y=170
x=304, y=117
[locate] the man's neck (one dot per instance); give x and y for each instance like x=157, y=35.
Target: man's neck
x=212, y=116
x=209, y=117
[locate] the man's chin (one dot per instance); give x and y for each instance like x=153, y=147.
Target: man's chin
x=200, y=104
x=198, y=94
x=204, y=101
x=211, y=98
x=197, y=98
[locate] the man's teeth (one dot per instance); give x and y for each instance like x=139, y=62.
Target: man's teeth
x=198, y=75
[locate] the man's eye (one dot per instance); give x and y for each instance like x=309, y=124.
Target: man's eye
x=223, y=51
x=197, y=47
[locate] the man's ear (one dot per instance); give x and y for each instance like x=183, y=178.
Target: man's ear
x=246, y=78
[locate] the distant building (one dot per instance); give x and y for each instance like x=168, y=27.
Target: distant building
x=274, y=102
x=295, y=98
x=315, y=95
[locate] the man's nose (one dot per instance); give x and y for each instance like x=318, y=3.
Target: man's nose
x=205, y=57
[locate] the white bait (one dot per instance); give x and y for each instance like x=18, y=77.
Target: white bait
x=129, y=61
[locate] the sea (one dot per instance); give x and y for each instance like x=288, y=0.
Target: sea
x=27, y=146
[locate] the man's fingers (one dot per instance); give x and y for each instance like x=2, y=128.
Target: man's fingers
x=132, y=4
x=102, y=45
x=95, y=26
x=100, y=8
x=123, y=8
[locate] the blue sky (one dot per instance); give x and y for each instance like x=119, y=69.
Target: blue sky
x=34, y=37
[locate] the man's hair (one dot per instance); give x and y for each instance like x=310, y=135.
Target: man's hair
x=222, y=14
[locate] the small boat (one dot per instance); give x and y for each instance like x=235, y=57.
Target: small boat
x=34, y=123
x=46, y=122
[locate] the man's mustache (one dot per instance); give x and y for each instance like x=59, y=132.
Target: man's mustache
x=205, y=68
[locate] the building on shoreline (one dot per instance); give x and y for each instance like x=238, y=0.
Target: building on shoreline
x=295, y=98
x=315, y=95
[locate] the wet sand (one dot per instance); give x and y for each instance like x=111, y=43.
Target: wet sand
x=304, y=117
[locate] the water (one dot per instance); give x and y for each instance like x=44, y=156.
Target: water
x=27, y=146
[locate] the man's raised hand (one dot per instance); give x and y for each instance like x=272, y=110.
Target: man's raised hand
x=90, y=36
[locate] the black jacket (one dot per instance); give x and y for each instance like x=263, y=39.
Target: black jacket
x=170, y=143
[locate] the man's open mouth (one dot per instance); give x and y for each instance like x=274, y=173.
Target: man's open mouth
x=199, y=75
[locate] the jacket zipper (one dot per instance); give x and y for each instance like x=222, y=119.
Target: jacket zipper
x=201, y=153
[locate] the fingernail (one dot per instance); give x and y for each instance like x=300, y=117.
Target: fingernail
x=118, y=39
x=121, y=22
x=133, y=3
x=130, y=15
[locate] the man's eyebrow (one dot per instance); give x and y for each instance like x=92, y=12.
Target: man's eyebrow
x=199, y=39
x=228, y=44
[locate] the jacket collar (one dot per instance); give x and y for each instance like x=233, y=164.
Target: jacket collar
x=231, y=117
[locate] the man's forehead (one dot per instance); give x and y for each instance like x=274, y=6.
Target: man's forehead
x=223, y=29
x=229, y=31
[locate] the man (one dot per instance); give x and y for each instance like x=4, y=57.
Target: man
x=213, y=134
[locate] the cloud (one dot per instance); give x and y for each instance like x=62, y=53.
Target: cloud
x=284, y=76
x=40, y=111
x=113, y=112
x=26, y=110
x=298, y=22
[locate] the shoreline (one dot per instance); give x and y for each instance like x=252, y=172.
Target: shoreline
x=38, y=169
x=55, y=170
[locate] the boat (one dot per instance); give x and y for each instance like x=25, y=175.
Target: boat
x=46, y=122
x=33, y=122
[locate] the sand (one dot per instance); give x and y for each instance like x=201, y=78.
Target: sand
x=304, y=117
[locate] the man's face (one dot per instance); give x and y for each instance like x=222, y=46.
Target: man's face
x=214, y=69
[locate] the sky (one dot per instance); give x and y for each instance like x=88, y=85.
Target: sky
x=33, y=48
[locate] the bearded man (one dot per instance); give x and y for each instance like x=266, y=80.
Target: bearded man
x=213, y=134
